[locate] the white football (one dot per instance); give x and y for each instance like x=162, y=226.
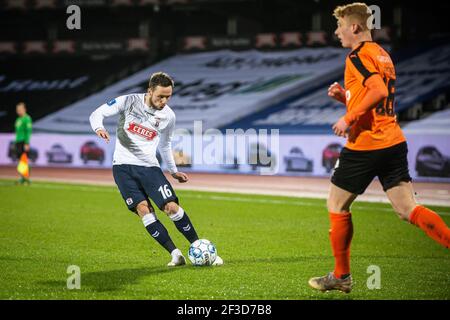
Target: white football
x=202, y=253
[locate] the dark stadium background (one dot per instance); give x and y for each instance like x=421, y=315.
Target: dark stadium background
x=107, y=25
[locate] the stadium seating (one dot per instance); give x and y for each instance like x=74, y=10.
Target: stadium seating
x=438, y=122
x=49, y=83
x=231, y=95
x=419, y=79
x=217, y=87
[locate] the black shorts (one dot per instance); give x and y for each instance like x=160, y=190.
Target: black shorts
x=355, y=170
x=20, y=148
x=138, y=183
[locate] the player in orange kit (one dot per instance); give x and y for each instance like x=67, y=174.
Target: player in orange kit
x=376, y=146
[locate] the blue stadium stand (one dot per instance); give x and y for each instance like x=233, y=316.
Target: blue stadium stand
x=419, y=78
x=438, y=122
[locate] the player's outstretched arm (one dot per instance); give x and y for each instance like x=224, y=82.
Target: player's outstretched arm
x=336, y=92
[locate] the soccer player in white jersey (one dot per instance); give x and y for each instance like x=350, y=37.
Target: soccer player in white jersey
x=145, y=120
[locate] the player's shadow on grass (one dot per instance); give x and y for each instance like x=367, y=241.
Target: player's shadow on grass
x=104, y=281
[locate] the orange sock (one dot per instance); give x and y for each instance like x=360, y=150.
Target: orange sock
x=433, y=225
x=341, y=234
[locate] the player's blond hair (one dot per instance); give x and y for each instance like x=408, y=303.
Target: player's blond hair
x=357, y=12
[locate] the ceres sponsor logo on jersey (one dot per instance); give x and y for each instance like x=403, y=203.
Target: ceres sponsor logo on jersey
x=142, y=131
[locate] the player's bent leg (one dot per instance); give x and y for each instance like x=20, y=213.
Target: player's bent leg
x=403, y=202
x=402, y=199
x=143, y=208
x=433, y=225
x=181, y=221
x=157, y=230
x=339, y=200
x=171, y=208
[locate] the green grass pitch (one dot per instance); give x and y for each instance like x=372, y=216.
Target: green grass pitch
x=271, y=247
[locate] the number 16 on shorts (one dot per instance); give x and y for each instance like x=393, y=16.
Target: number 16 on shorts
x=165, y=191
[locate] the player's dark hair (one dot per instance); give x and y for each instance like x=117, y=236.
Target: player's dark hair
x=160, y=79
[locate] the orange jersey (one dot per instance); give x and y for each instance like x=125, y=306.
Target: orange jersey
x=378, y=127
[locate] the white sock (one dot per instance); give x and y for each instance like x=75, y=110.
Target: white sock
x=177, y=216
x=148, y=219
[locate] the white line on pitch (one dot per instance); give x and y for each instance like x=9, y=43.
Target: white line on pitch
x=209, y=197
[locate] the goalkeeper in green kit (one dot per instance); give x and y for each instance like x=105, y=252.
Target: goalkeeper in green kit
x=23, y=127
